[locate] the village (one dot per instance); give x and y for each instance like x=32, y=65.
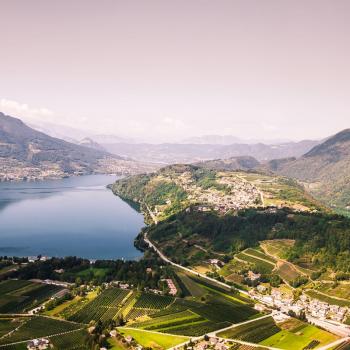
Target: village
x=232, y=193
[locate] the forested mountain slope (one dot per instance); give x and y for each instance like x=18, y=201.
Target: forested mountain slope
x=325, y=170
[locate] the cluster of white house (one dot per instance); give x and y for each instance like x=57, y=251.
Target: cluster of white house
x=314, y=308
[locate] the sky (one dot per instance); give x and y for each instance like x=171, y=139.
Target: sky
x=164, y=70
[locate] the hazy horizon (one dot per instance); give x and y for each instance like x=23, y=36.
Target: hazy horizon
x=165, y=71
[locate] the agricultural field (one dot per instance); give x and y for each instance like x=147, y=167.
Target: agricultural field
x=9, y=324
x=20, y=346
x=152, y=301
x=279, y=191
x=174, y=322
x=259, y=254
x=6, y=269
x=104, y=307
x=115, y=344
x=267, y=266
x=163, y=321
x=254, y=332
x=192, y=318
x=277, y=247
x=299, y=335
x=153, y=340
x=287, y=271
x=225, y=294
x=327, y=299
x=39, y=326
x=338, y=290
x=71, y=341
x=18, y=296
x=343, y=346
x=193, y=288
x=146, y=304
x=115, y=302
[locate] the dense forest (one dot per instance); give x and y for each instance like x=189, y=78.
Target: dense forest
x=325, y=238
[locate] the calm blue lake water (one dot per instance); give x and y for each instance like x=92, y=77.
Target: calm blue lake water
x=74, y=216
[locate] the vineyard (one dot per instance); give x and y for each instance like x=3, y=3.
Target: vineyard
x=115, y=302
x=196, y=329
x=254, y=332
x=12, y=285
x=39, y=326
x=148, y=304
x=104, y=307
x=8, y=324
x=157, y=322
x=18, y=296
x=70, y=341
x=191, y=318
x=152, y=301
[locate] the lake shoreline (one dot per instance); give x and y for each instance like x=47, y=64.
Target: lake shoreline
x=76, y=216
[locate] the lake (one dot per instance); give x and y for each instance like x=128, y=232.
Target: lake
x=73, y=216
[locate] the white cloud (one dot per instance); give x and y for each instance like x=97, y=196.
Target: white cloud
x=22, y=110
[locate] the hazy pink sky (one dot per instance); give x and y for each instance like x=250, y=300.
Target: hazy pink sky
x=174, y=68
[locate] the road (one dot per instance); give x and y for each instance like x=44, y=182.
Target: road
x=334, y=329
x=167, y=260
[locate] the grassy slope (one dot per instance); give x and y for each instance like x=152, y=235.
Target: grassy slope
x=153, y=340
x=288, y=340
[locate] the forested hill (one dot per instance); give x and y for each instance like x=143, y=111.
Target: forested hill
x=176, y=187
x=321, y=239
x=233, y=163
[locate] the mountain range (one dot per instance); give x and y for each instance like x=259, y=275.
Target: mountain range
x=323, y=167
x=28, y=153
x=169, y=153
x=324, y=170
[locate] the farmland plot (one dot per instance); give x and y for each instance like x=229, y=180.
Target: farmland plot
x=104, y=307
x=254, y=332
x=39, y=326
x=17, y=296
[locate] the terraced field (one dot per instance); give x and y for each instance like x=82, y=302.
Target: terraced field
x=327, y=299
x=340, y=290
x=267, y=266
x=287, y=271
x=17, y=296
x=277, y=247
x=260, y=254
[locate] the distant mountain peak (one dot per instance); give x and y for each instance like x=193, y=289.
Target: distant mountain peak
x=88, y=142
